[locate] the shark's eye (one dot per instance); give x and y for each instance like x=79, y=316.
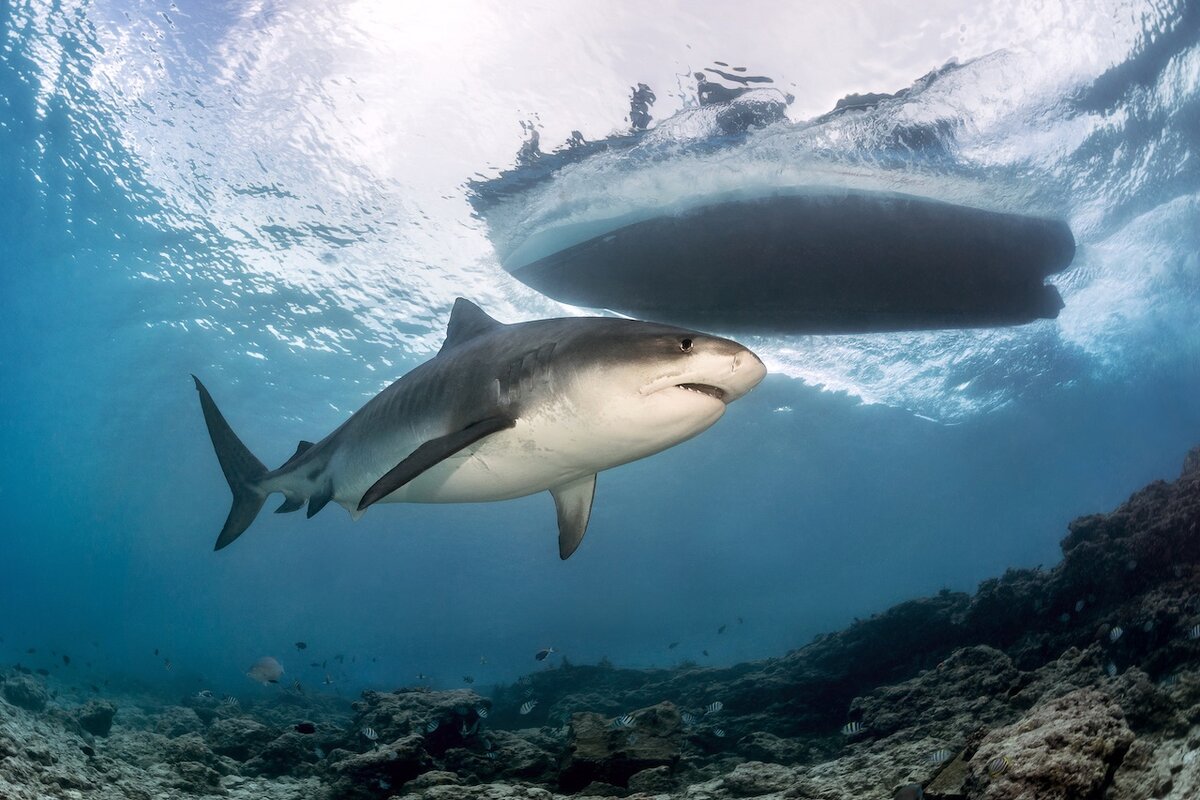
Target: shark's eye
x=685, y=345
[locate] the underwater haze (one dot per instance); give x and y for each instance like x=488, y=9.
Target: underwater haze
x=278, y=198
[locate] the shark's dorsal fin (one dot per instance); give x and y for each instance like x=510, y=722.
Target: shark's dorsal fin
x=467, y=321
x=573, y=502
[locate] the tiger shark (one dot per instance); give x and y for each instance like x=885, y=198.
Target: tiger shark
x=503, y=411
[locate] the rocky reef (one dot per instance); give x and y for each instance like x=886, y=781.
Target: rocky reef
x=1073, y=683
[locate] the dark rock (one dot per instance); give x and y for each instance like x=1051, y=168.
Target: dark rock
x=597, y=751
x=25, y=691
x=602, y=789
x=285, y=755
x=656, y=780
x=96, y=716
x=177, y=721
x=365, y=774
x=240, y=738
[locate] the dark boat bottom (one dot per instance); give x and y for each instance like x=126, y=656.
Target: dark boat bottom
x=821, y=262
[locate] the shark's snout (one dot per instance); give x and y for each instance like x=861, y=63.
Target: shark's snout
x=747, y=372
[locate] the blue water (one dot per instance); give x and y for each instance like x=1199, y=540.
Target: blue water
x=275, y=197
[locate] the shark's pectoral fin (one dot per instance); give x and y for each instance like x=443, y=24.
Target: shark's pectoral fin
x=574, y=504
x=430, y=454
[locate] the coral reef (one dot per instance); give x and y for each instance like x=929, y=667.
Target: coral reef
x=1082, y=681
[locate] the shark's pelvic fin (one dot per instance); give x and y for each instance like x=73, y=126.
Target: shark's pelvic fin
x=467, y=321
x=242, y=470
x=319, y=501
x=574, y=504
x=430, y=454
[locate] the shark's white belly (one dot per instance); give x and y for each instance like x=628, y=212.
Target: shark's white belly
x=530, y=457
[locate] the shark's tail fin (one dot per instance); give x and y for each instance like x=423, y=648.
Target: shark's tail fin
x=241, y=468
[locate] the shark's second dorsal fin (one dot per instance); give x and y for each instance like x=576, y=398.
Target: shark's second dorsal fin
x=301, y=449
x=467, y=321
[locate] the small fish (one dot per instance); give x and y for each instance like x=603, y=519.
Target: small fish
x=315, y=664
x=328, y=679
x=688, y=718
x=1079, y=604
x=156, y=651
x=527, y=706
x=939, y=757
x=1115, y=633
x=998, y=766
x=466, y=730
x=1065, y=618
x=632, y=739
x=319, y=753
x=468, y=679
x=912, y=791
x=1111, y=669
x=305, y=728
x=33, y=650
x=167, y=664
x=492, y=754
x=722, y=629
x=705, y=652
x=740, y=620
x=230, y=701
x=204, y=694
x=625, y=721
x=713, y=707
x=421, y=676
x=384, y=784
x=719, y=733
x=1194, y=632
x=543, y=654
x=66, y=660
x=852, y=728
x=369, y=733
x=672, y=645
x=432, y=725
x=483, y=661
x=266, y=670
x=301, y=645
x=482, y=712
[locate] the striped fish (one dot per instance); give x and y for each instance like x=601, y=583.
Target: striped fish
x=939, y=757
x=1194, y=632
x=492, y=754
x=482, y=711
x=625, y=721
x=466, y=730
x=852, y=728
x=713, y=707
x=688, y=718
x=1115, y=633
x=719, y=733
x=432, y=725
x=998, y=766
x=1079, y=606
x=230, y=701
x=527, y=706
x=1111, y=669
x=369, y=733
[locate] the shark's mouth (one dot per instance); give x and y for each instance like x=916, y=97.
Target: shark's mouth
x=704, y=388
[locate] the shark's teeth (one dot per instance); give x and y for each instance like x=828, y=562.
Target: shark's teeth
x=704, y=388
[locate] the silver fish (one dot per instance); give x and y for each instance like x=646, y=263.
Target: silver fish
x=688, y=718
x=713, y=707
x=369, y=733
x=468, y=730
x=482, y=711
x=230, y=701
x=1111, y=669
x=998, y=766
x=1079, y=606
x=266, y=670
x=852, y=728
x=492, y=754
x=527, y=706
x=204, y=694
x=432, y=725
x=543, y=654
x=1115, y=633
x=938, y=757
x=318, y=752
x=1194, y=632
x=625, y=721
x=719, y=733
